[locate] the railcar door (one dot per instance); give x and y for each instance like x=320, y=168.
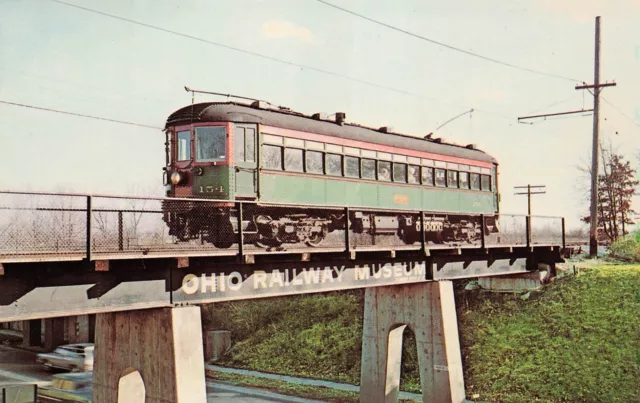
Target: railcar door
x=245, y=161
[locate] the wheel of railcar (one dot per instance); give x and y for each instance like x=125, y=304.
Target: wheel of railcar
x=266, y=243
x=223, y=234
x=181, y=230
x=407, y=237
x=316, y=238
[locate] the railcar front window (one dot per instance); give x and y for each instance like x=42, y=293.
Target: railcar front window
x=441, y=178
x=184, y=146
x=211, y=144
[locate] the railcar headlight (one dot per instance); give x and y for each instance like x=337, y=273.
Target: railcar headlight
x=176, y=178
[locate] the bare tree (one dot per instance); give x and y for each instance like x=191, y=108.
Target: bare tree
x=616, y=186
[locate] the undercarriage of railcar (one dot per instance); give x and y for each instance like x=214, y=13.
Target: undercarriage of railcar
x=268, y=227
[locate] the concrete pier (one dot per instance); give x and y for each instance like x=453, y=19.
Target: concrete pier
x=428, y=309
x=152, y=356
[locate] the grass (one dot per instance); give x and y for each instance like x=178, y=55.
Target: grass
x=578, y=340
x=285, y=388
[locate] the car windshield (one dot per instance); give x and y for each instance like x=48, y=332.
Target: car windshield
x=211, y=143
x=64, y=351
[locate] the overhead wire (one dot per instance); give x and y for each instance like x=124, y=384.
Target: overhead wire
x=80, y=115
x=450, y=47
x=556, y=103
x=620, y=112
x=266, y=57
x=237, y=49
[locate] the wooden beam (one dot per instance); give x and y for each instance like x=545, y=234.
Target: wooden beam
x=182, y=262
x=249, y=259
x=102, y=265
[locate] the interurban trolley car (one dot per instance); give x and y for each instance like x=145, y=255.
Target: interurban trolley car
x=231, y=151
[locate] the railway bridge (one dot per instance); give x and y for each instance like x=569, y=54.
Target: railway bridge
x=65, y=254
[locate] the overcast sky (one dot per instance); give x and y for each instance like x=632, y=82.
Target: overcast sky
x=56, y=56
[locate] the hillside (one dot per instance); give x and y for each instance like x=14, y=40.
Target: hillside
x=577, y=340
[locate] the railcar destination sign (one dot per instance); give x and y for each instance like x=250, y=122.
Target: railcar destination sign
x=296, y=280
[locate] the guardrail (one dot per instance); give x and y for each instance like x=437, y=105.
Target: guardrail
x=92, y=226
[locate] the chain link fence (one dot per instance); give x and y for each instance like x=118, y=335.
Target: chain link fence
x=37, y=225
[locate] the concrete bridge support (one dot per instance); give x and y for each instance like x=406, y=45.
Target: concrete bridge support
x=151, y=356
x=428, y=309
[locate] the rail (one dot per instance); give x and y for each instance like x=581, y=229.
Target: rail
x=73, y=226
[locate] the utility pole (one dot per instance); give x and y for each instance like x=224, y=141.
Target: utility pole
x=593, y=230
x=593, y=240
x=537, y=191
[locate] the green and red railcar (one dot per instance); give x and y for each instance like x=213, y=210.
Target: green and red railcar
x=234, y=152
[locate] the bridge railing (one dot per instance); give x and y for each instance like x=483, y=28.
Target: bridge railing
x=45, y=226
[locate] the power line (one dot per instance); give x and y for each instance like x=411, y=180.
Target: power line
x=266, y=57
x=555, y=104
x=80, y=115
x=448, y=46
x=236, y=49
x=619, y=111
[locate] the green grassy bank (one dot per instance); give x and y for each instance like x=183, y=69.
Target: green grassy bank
x=578, y=340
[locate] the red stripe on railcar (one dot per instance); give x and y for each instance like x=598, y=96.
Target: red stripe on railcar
x=370, y=146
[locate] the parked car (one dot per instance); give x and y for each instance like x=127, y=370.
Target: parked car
x=72, y=357
x=67, y=388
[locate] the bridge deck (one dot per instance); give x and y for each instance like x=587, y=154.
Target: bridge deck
x=45, y=227
x=53, y=256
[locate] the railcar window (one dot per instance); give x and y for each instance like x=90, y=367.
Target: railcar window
x=211, y=143
x=414, y=174
x=239, y=143
x=293, y=159
x=427, y=176
x=271, y=157
x=250, y=145
x=352, y=167
x=244, y=144
x=464, y=180
x=441, y=177
x=399, y=172
x=368, y=169
x=333, y=164
x=314, y=162
x=475, y=181
x=485, y=182
x=384, y=171
x=452, y=179
x=184, y=146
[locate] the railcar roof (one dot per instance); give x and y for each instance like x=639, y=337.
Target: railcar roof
x=241, y=113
